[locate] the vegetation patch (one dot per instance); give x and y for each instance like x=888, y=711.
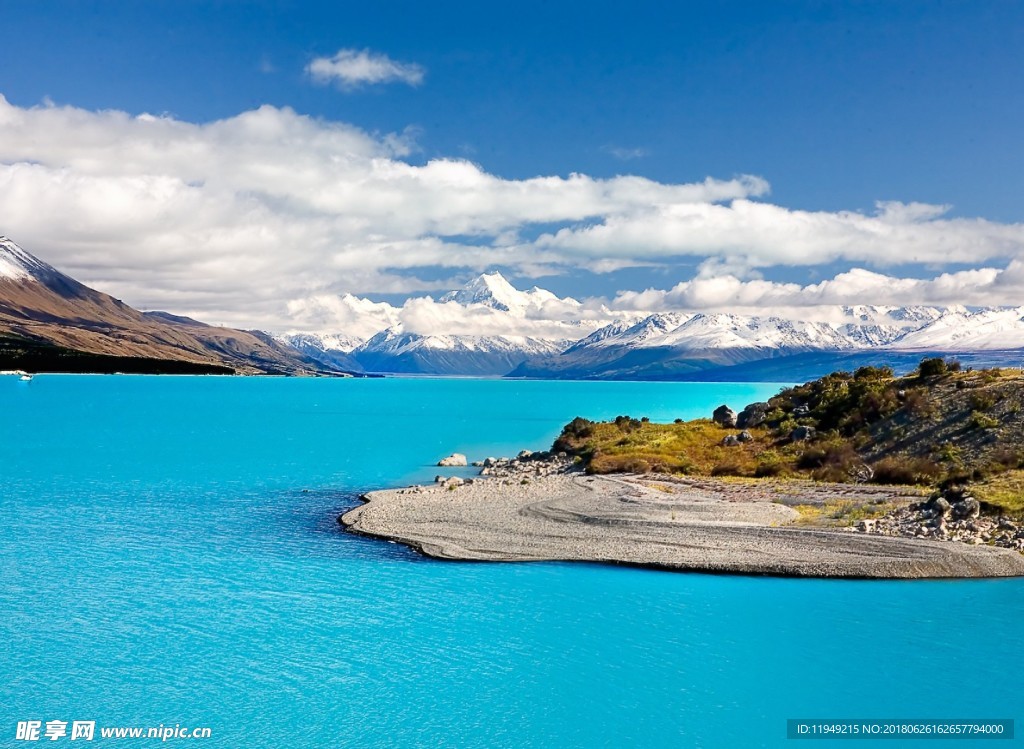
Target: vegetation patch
x=940, y=426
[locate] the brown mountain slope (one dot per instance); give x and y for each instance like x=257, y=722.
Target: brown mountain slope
x=41, y=304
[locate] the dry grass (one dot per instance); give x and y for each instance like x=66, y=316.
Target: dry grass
x=693, y=447
x=840, y=512
x=1004, y=491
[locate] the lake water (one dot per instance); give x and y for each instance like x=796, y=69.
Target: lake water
x=169, y=555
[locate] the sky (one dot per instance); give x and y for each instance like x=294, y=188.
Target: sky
x=253, y=163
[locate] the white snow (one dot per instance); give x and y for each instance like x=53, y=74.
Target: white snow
x=18, y=265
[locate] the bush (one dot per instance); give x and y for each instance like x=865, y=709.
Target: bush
x=982, y=421
x=627, y=423
x=873, y=373
x=727, y=469
x=906, y=471
x=982, y=400
x=579, y=428
x=932, y=367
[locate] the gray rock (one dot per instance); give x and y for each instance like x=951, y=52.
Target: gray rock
x=753, y=415
x=455, y=459
x=745, y=436
x=802, y=410
x=490, y=462
x=802, y=434
x=478, y=464
x=452, y=481
x=724, y=417
x=940, y=506
x=968, y=507
x=730, y=440
x=525, y=454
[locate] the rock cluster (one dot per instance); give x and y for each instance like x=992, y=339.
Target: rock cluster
x=732, y=440
x=955, y=516
x=527, y=465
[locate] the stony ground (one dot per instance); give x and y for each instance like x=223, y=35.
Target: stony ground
x=536, y=507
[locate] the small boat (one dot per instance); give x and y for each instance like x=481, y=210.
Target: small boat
x=26, y=377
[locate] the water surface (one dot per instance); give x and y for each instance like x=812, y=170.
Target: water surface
x=169, y=554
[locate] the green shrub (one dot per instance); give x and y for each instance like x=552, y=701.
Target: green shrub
x=932, y=367
x=982, y=421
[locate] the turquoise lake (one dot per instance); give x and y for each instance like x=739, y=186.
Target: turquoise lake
x=169, y=554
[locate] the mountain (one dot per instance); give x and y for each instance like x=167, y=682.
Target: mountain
x=494, y=291
x=540, y=324
x=393, y=350
x=727, y=346
x=51, y=322
x=333, y=351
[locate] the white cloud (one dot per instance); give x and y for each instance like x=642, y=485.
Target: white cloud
x=233, y=220
x=977, y=287
x=353, y=68
x=756, y=234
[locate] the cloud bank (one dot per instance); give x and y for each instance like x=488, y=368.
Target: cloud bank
x=256, y=219
x=353, y=68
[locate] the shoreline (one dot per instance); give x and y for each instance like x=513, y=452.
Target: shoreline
x=534, y=510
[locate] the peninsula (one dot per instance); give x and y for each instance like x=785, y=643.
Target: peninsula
x=861, y=475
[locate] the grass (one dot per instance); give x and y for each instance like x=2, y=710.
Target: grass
x=1004, y=491
x=693, y=447
x=840, y=512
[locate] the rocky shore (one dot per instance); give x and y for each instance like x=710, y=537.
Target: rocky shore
x=539, y=506
x=951, y=516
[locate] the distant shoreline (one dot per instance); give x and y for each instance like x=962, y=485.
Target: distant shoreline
x=683, y=525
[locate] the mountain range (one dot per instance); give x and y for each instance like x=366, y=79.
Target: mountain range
x=50, y=321
x=679, y=345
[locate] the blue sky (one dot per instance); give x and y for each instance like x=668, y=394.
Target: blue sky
x=835, y=105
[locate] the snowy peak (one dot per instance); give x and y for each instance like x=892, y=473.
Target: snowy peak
x=322, y=342
x=493, y=290
x=18, y=265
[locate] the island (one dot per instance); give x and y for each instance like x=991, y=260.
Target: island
x=853, y=475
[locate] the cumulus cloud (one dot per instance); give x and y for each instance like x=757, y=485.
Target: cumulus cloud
x=977, y=287
x=353, y=68
x=233, y=220
x=757, y=234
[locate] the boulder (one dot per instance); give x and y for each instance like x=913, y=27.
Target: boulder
x=730, y=440
x=968, y=507
x=940, y=506
x=452, y=481
x=724, y=417
x=753, y=415
x=802, y=434
x=745, y=436
x=525, y=454
x=455, y=459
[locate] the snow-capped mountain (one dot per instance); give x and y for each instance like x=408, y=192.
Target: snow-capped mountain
x=488, y=327
x=657, y=348
x=962, y=330
x=331, y=350
x=494, y=291
x=393, y=350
